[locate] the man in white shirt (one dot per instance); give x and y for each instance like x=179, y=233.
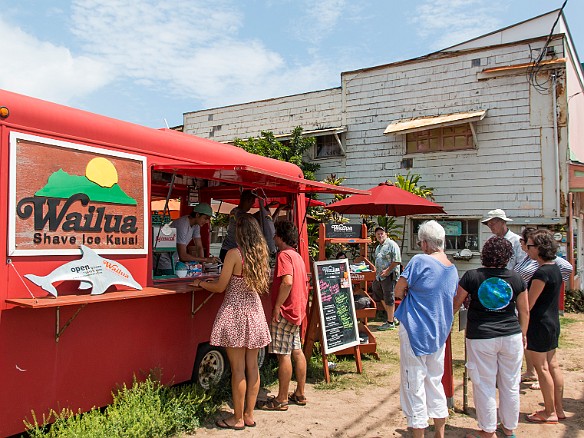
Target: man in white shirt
x=188, y=228
x=497, y=220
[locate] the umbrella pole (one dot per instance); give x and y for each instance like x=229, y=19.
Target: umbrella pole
x=403, y=239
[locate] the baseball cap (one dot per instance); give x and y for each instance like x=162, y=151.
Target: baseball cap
x=203, y=208
x=496, y=214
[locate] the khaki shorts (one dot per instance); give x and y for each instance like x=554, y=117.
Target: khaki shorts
x=285, y=337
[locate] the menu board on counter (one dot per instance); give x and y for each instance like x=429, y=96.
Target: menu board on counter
x=337, y=308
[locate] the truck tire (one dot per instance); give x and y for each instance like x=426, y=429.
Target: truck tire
x=210, y=365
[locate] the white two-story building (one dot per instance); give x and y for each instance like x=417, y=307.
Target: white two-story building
x=494, y=122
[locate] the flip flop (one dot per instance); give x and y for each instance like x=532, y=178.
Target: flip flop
x=250, y=425
x=525, y=379
x=535, y=385
x=297, y=399
x=223, y=425
x=536, y=417
x=271, y=404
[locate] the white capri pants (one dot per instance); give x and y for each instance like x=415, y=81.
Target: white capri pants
x=421, y=391
x=495, y=363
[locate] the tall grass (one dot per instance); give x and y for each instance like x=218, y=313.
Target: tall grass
x=147, y=409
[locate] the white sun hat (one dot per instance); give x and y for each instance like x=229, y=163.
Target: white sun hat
x=496, y=214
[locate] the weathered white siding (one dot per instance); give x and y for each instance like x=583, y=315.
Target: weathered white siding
x=505, y=170
x=312, y=111
x=513, y=166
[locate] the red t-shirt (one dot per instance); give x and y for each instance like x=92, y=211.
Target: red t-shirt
x=289, y=262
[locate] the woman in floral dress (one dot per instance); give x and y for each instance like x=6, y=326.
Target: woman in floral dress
x=240, y=325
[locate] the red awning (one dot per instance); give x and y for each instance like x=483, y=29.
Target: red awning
x=253, y=177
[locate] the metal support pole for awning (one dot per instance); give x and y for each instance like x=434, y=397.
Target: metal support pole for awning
x=60, y=330
x=164, y=211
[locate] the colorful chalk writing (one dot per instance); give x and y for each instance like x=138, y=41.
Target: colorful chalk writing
x=338, y=319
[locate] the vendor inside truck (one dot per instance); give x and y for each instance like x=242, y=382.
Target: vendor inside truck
x=188, y=228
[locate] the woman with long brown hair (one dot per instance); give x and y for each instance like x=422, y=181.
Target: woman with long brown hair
x=240, y=326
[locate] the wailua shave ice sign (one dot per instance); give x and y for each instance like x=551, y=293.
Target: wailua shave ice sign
x=64, y=195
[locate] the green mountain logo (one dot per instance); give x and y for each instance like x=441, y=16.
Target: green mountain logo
x=62, y=185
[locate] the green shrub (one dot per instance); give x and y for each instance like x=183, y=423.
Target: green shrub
x=574, y=301
x=147, y=409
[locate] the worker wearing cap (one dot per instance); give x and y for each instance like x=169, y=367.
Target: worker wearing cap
x=497, y=220
x=188, y=228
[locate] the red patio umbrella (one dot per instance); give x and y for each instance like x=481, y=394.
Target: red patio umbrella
x=386, y=200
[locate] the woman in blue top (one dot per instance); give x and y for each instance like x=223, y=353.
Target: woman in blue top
x=427, y=285
x=498, y=315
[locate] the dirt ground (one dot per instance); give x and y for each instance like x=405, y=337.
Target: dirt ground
x=368, y=405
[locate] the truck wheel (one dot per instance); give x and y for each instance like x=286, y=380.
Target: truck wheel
x=210, y=365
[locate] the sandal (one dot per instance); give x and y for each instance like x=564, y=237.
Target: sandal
x=525, y=378
x=300, y=400
x=502, y=432
x=535, y=385
x=537, y=417
x=223, y=425
x=271, y=404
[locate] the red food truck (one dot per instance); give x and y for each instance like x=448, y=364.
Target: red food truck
x=80, y=309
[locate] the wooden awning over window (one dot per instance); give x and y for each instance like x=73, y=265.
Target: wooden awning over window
x=425, y=123
x=315, y=132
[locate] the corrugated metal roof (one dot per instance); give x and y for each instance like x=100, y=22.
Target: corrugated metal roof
x=423, y=123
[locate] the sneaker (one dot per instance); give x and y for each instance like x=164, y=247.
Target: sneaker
x=386, y=326
x=395, y=322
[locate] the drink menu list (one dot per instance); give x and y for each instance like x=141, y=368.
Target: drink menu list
x=338, y=317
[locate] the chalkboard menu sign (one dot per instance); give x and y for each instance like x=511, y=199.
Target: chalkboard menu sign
x=337, y=309
x=343, y=231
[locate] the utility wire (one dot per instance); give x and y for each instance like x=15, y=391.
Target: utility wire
x=533, y=71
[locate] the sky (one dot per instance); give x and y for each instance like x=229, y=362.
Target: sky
x=149, y=61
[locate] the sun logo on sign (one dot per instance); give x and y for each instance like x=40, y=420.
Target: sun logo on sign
x=102, y=172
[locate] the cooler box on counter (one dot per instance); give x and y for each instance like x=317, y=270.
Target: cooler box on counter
x=166, y=239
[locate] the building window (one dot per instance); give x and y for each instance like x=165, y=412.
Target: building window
x=449, y=138
x=460, y=233
x=328, y=146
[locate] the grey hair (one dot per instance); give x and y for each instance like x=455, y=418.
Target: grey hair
x=433, y=234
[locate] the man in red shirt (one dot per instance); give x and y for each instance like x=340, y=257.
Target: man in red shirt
x=289, y=298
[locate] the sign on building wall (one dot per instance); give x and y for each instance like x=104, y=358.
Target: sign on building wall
x=452, y=228
x=63, y=195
